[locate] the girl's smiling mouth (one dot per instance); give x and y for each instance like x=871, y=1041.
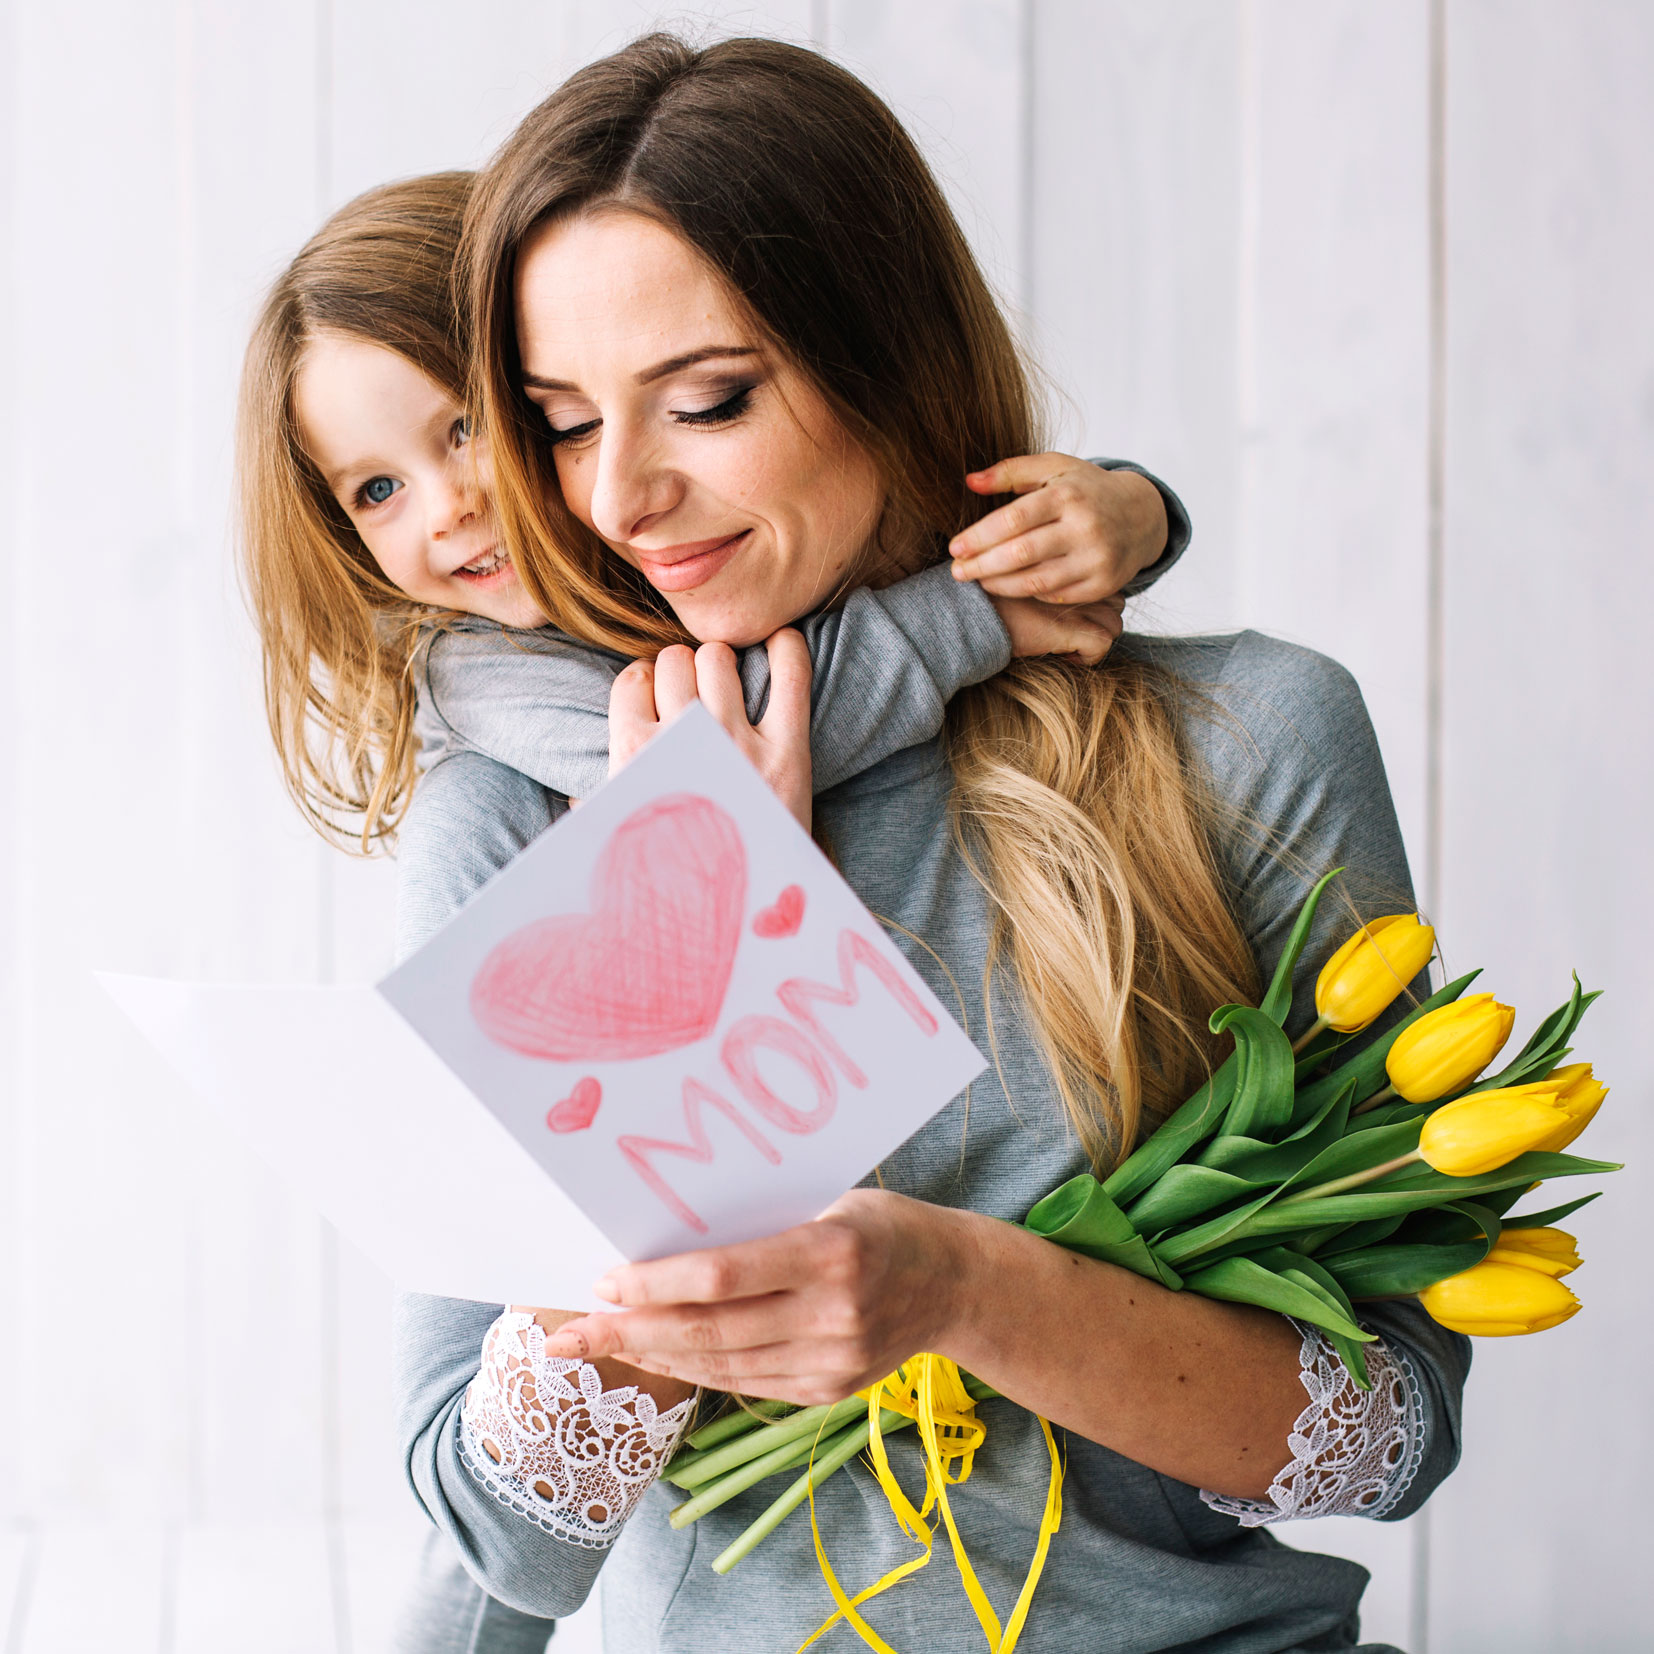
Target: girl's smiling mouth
x=487, y=569
x=681, y=568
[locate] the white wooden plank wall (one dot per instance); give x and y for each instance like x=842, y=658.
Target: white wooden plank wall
x=1216, y=220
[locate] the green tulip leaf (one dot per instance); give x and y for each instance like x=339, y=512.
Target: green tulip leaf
x=1277, y=1002
x=1552, y=1214
x=1437, y=1226
x=1391, y=1114
x=1208, y=1236
x=1533, y=1167
x=1277, y=1162
x=1079, y=1216
x=1396, y=1270
x=1187, y=1125
x=1454, y=1224
x=1351, y=1237
x=1263, y=1100
x=1324, y=1045
x=1292, y=1265
x=1187, y=1192
x=1415, y=1190
x=1359, y=1151
x=1484, y=1223
x=1245, y=1281
x=1366, y=1068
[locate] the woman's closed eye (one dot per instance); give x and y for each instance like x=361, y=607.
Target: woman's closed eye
x=375, y=491
x=734, y=404
x=573, y=433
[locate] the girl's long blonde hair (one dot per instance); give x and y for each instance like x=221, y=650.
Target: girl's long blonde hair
x=338, y=638
x=1074, y=801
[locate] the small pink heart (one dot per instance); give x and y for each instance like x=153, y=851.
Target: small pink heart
x=784, y=918
x=578, y=1109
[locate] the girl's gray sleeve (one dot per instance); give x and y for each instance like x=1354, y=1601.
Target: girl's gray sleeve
x=470, y=816
x=1178, y=527
x=886, y=664
x=1292, y=754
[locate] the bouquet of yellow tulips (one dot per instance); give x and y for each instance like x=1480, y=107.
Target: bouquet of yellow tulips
x=1300, y=1182
x=1298, y=1179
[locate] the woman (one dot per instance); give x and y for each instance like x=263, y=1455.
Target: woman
x=734, y=353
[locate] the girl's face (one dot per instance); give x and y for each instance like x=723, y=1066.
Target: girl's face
x=396, y=453
x=713, y=468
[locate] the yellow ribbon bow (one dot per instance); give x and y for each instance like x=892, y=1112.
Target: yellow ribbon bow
x=929, y=1390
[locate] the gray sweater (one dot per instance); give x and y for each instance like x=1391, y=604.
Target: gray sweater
x=1141, y=1563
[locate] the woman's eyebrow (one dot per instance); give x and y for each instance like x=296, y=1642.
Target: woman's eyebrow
x=672, y=364
x=691, y=358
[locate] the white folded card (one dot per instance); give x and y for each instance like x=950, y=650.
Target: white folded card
x=668, y=1024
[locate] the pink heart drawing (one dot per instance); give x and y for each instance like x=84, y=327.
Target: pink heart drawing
x=782, y=919
x=646, y=970
x=578, y=1109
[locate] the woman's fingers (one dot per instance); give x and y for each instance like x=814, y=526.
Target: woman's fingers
x=678, y=1333
x=716, y=1274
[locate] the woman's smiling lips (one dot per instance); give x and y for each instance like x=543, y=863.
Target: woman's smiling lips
x=680, y=568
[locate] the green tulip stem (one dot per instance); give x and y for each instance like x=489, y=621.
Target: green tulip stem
x=1354, y=1180
x=771, y=1446
x=830, y=1457
x=1373, y=1101
x=737, y=1422
x=1319, y=1026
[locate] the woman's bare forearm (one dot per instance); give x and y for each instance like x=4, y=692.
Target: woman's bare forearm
x=1202, y=1391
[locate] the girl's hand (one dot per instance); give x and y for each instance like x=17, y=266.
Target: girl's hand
x=1076, y=535
x=649, y=694
x=1082, y=635
x=810, y=1315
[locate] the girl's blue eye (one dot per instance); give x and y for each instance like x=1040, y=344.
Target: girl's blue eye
x=376, y=490
x=462, y=432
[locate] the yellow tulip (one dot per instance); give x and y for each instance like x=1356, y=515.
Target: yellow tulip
x=1487, y=1129
x=1499, y=1300
x=1447, y=1048
x=1581, y=1096
x=1365, y=975
x=1551, y=1251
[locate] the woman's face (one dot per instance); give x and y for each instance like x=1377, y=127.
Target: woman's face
x=713, y=468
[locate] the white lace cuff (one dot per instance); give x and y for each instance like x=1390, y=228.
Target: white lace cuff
x=1354, y=1452
x=545, y=1438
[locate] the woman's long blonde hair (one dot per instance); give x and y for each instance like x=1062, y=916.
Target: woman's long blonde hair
x=1074, y=801
x=338, y=638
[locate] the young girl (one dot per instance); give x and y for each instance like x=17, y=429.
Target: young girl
x=396, y=634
